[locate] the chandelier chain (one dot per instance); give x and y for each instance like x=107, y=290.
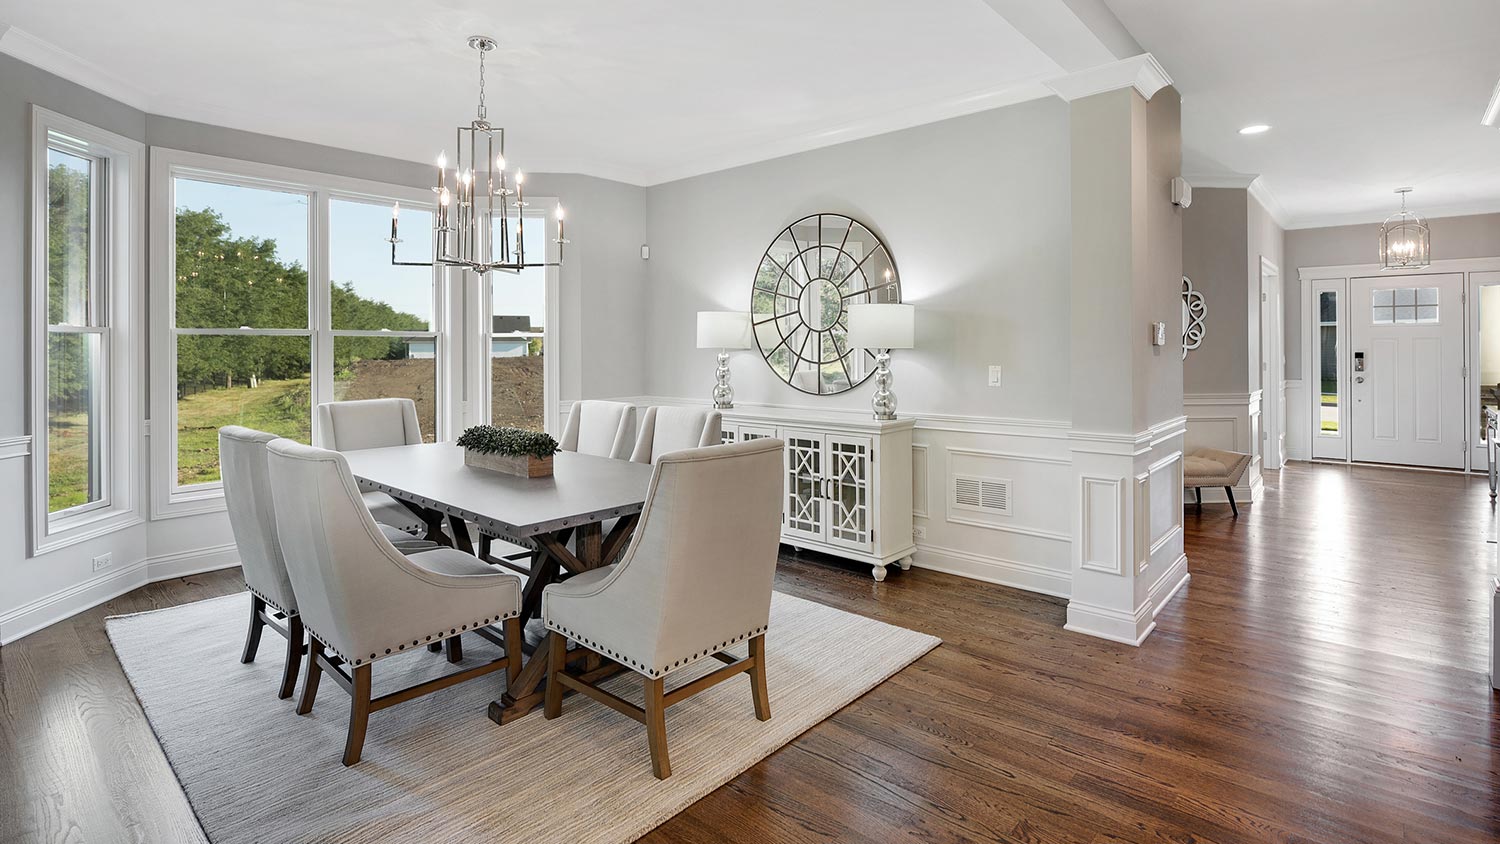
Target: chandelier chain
x=483, y=114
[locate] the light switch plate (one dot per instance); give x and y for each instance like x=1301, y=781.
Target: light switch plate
x=994, y=376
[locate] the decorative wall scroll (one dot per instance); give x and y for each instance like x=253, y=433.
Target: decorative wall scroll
x=1194, y=309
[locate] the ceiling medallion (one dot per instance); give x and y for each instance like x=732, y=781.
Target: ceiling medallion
x=475, y=210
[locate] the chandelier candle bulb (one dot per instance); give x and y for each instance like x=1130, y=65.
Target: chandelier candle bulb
x=395, y=217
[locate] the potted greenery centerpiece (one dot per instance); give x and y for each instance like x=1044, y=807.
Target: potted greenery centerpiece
x=514, y=451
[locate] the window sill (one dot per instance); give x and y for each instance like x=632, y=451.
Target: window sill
x=83, y=527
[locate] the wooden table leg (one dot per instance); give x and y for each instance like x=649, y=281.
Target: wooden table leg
x=461, y=539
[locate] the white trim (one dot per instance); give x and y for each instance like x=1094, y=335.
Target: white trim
x=1374, y=218
x=15, y=447
x=919, y=508
x=42, y=54
x=1166, y=587
x=124, y=258
x=990, y=569
x=1262, y=193
x=60, y=606
x=1448, y=265
x=995, y=425
x=552, y=353
x=1114, y=625
x=168, y=500
x=1143, y=73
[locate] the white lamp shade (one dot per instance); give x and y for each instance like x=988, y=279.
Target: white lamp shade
x=882, y=326
x=724, y=330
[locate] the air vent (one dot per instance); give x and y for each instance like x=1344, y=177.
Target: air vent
x=984, y=495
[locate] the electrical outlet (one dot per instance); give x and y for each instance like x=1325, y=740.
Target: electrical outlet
x=103, y=561
x=919, y=532
x=994, y=376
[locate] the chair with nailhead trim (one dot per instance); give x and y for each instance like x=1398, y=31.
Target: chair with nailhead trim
x=252, y=519
x=696, y=579
x=361, y=600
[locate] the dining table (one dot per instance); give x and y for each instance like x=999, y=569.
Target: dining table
x=542, y=515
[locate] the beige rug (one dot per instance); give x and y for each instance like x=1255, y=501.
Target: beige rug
x=436, y=769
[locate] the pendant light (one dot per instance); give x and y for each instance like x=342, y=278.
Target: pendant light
x=1405, y=241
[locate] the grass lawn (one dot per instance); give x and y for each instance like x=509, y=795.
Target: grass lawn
x=277, y=407
x=67, y=461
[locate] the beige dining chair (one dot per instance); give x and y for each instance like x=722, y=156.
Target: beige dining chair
x=375, y=423
x=696, y=580
x=665, y=429
x=361, y=600
x=252, y=520
x=600, y=428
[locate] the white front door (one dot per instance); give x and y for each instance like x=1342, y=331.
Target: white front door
x=1406, y=369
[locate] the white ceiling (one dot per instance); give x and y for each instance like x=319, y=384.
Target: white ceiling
x=642, y=91
x=1362, y=97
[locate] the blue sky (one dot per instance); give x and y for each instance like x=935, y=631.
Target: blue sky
x=358, y=251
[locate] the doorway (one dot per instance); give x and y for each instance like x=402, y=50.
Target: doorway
x=1406, y=370
x=1272, y=368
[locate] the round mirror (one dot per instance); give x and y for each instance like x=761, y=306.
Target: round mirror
x=799, y=306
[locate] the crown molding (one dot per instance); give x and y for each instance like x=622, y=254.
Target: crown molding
x=32, y=50
x=1375, y=218
x=1268, y=201
x=1239, y=181
x=1143, y=73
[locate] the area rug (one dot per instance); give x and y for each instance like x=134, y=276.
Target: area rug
x=437, y=769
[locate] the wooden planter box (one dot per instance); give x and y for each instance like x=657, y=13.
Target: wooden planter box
x=522, y=467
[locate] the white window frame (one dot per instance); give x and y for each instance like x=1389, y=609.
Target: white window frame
x=168, y=499
x=543, y=209
x=120, y=257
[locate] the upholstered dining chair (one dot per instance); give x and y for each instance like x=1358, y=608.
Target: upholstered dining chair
x=696, y=580
x=252, y=520
x=665, y=429
x=361, y=600
x=374, y=423
x=601, y=428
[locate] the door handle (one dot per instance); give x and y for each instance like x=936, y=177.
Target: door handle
x=1359, y=379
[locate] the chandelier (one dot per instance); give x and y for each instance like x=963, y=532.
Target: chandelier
x=471, y=229
x=1405, y=243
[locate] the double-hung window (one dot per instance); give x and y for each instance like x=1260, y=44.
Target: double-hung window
x=277, y=293
x=85, y=265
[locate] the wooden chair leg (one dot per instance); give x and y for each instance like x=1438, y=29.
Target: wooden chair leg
x=359, y=714
x=455, y=648
x=310, y=680
x=257, y=626
x=435, y=647
x=557, y=663
x=656, y=727
x=758, y=678
x=514, y=651
x=294, y=646
x=1229, y=491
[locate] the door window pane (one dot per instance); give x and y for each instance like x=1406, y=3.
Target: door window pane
x=389, y=367
x=241, y=256
x=1328, y=362
x=74, y=411
x=517, y=353
x=369, y=293
x=261, y=382
x=69, y=237
x=1404, y=306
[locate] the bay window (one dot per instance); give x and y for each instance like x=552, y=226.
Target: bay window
x=275, y=292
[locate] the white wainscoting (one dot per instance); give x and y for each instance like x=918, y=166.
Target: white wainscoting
x=1230, y=422
x=1029, y=548
x=1298, y=420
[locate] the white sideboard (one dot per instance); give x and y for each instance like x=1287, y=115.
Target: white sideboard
x=848, y=482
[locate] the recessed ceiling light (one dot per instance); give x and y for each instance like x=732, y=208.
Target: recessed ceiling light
x=1255, y=129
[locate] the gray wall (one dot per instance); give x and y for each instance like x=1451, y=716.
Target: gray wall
x=1160, y=290
x=1473, y=236
x=975, y=211
x=1214, y=246
x=1264, y=238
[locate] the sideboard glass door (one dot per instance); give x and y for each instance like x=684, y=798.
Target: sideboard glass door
x=804, y=510
x=848, y=491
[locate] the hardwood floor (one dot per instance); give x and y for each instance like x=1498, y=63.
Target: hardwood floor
x=1322, y=678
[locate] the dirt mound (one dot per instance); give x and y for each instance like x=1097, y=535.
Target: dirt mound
x=516, y=386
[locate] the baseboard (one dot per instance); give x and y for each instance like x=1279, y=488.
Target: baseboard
x=1168, y=585
x=60, y=606
x=1114, y=625
x=1012, y=573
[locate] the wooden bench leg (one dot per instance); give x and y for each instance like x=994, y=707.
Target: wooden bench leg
x=1229, y=491
x=1198, y=497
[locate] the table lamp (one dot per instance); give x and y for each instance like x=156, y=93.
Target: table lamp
x=723, y=330
x=880, y=328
